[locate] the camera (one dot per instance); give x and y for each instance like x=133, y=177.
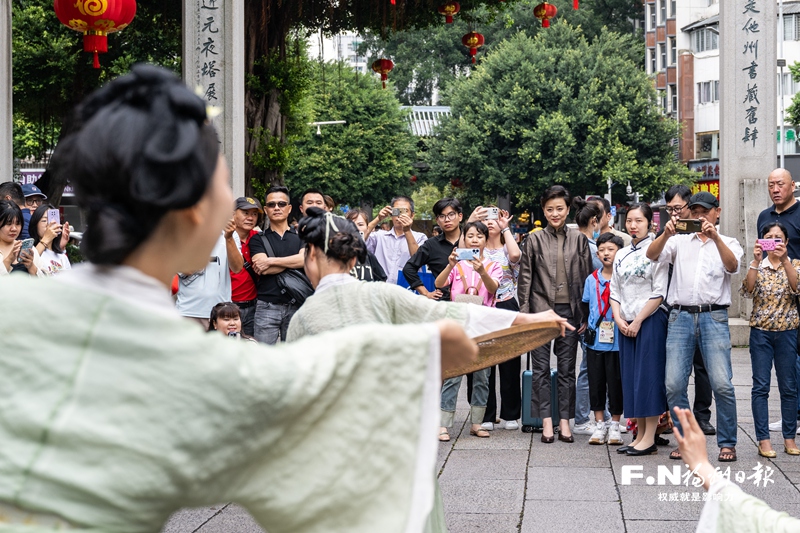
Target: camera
x=492, y=213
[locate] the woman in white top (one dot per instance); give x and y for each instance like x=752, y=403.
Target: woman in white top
x=48, y=255
x=10, y=228
x=638, y=287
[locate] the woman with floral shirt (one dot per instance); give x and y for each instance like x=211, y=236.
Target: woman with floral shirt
x=772, y=283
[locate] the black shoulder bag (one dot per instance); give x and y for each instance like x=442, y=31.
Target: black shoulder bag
x=292, y=283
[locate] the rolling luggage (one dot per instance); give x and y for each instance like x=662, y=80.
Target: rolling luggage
x=529, y=422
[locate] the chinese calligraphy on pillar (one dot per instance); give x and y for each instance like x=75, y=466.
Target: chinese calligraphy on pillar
x=210, y=62
x=754, y=71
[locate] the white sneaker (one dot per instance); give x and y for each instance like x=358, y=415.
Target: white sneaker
x=600, y=433
x=488, y=426
x=776, y=426
x=623, y=426
x=585, y=429
x=512, y=424
x=614, y=434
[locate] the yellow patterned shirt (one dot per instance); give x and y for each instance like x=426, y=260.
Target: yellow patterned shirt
x=774, y=307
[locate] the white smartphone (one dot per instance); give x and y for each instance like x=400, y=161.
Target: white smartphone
x=467, y=254
x=53, y=215
x=492, y=213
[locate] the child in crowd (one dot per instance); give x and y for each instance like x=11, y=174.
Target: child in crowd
x=470, y=281
x=226, y=317
x=602, y=344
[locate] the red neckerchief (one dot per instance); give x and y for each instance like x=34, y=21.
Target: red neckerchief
x=602, y=298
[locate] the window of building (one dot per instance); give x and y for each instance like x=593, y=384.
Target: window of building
x=790, y=87
x=662, y=54
x=651, y=53
x=662, y=11
x=707, y=92
x=707, y=145
x=673, y=51
x=673, y=97
x=791, y=27
x=662, y=100
x=673, y=8
x=650, y=15
x=705, y=39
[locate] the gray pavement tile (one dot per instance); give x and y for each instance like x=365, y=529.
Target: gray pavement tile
x=573, y=455
x=642, y=502
x=481, y=523
x=558, y=517
x=188, y=520
x=660, y=526
x=503, y=496
x=232, y=519
x=499, y=440
x=571, y=484
x=485, y=464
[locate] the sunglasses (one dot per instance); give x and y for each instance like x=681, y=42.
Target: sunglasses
x=273, y=205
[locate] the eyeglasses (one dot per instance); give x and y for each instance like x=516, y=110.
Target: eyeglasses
x=674, y=210
x=273, y=205
x=36, y=201
x=449, y=216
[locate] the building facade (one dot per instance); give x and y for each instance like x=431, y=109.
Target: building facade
x=682, y=56
x=340, y=47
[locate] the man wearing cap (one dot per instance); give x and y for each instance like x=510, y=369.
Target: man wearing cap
x=34, y=197
x=699, y=295
x=243, y=283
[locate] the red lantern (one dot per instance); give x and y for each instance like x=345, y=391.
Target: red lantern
x=456, y=183
x=545, y=12
x=383, y=67
x=448, y=10
x=413, y=179
x=473, y=41
x=575, y=4
x=95, y=19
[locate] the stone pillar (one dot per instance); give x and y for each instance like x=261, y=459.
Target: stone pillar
x=6, y=122
x=213, y=62
x=748, y=119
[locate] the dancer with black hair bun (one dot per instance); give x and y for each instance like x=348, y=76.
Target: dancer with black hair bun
x=125, y=412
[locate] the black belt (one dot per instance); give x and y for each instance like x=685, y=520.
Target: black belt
x=245, y=305
x=699, y=308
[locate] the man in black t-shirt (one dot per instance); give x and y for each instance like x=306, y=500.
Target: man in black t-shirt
x=275, y=308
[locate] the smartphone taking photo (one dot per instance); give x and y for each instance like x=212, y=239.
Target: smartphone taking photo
x=768, y=245
x=688, y=225
x=467, y=254
x=53, y=215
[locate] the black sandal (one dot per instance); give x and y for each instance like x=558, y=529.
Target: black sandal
x=727, y=457
x=675, y=454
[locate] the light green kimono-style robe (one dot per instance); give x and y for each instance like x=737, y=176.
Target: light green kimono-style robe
x=113, y=416
x=739, y=512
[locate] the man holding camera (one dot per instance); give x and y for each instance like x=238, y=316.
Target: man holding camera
x=786, y=210
x=394, y=247
x=699, y=295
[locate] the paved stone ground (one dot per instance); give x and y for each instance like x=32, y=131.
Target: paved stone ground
x=512, y=482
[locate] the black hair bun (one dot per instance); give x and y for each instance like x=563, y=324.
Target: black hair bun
x=344, y=240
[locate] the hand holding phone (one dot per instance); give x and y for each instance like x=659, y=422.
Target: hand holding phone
x=688, y=225
x=492, y=213
x=53, y=215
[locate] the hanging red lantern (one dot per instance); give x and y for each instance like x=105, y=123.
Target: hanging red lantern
x=383, y=67
x=413, y=179
x=473, y=41
x=457, y=183
x=95, y=19
x=448, y=10
x=545, y=12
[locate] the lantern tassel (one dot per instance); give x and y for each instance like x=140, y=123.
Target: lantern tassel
x=575, y=4
x=96, y=62
x=546, y=23
x=448, y=19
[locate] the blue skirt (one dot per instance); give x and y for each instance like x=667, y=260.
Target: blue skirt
x=643, y=362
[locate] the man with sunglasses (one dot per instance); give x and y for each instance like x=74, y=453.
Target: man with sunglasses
x=274, y=308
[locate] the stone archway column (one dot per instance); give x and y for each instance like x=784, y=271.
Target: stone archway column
x=6, y=122
x=213, y=62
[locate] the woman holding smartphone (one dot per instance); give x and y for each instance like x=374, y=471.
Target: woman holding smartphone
x=10, y=228
x=47, y=257
x=771, y=282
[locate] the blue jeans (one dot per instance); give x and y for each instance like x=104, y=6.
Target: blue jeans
x=272, y=321
x=710, y=332
x=583, y=410
x=780, y=347
x=480, y=395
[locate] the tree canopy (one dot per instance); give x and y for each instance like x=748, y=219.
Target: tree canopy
x=369, y=158
x=556, y=108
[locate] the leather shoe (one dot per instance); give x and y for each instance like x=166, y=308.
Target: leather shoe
x=549, y=440
x=624, y=449
x=647, y=451
x=706, y=427
x=568, y=439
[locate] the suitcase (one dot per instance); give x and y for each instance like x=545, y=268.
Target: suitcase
x=529, y=422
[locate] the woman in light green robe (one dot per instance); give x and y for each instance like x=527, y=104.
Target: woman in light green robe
x=115, y=412
x=333, y=247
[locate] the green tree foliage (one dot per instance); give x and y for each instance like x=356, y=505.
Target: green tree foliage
x=556, y=108
x=52, y=73
x=430, y=59
x=366, y=160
